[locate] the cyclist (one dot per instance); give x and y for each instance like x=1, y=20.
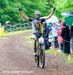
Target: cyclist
x=37, y=24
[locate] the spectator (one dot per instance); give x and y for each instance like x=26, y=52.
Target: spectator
x=71, y=42
x=45, y=35
x=50, y=40
x=49, y=26
x=66, y=39
x=60, y=40
x=7, y=26
x=0, y=24
x=55, y=36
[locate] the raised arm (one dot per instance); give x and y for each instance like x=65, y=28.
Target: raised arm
x=23, y=14
x=49, y=16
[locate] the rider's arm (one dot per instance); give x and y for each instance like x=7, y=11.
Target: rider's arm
x=49, y=16
x=23, y=14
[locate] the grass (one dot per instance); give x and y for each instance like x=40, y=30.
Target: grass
x=49, y=51
x=69, y=60
x=3, y=33
x=17, y=32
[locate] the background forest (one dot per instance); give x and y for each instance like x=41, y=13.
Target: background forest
x=9, y=8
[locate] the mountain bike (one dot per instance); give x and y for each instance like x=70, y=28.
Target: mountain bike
x=40, y=52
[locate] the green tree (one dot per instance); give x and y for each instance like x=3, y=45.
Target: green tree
x=9, y=8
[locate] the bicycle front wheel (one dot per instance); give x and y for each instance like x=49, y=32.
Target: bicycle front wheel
x=41, y=57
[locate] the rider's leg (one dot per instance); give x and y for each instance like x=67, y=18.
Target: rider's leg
x=34, y=36
x=35, y=46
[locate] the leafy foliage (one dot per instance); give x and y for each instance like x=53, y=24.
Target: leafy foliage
x=9, y=8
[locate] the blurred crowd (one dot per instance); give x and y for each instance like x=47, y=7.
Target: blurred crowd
x=60, y=37
x=57, y=35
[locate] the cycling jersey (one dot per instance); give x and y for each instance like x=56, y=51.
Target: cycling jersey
x=37, y=25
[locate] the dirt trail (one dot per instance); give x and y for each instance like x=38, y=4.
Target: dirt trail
x=16, y=58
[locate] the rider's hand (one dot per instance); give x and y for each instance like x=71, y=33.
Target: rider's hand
x=20, y=9
x=54, y=8
x=50, y=5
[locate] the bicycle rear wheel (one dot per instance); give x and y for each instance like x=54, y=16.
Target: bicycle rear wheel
x=41, y=57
